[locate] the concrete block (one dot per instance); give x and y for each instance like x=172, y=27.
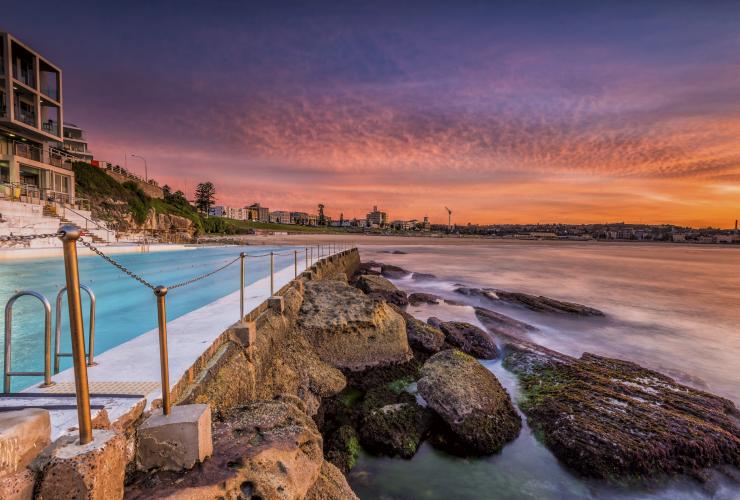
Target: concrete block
x=276, y=303
x=23, y=434
x=245, y=333
x=176, y=441
x=92, y=471
x=18, y=486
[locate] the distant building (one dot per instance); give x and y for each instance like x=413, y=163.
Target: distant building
x=75, y=143
x=426, y=226
x=301, y=218
x=256, y=212
x=228, y=212
x=281, y=217
x=678, y=237
x=376, y=218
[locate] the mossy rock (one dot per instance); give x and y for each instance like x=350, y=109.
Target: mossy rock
x=395, y=429
x=342, y=448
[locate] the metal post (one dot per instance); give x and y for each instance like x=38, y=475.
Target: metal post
x=241, y=288
x=311, y=250
x=160, y=292
x=306, y=258
x=295, y=262
x=272, y=273
x=69, y=236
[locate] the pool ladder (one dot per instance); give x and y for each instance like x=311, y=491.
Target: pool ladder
x=8, y=372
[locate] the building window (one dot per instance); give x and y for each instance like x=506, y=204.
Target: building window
x=4, y=171
x=30, y=176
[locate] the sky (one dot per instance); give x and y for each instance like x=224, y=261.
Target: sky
x=506, y=112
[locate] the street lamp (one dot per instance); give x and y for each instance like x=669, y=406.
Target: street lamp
x=146, y=170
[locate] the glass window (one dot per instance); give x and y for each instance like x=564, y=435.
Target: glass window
x=4, y=171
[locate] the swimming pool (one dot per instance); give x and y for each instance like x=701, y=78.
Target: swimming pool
x=125, y=308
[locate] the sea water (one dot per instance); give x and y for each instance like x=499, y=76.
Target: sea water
x=672, y=308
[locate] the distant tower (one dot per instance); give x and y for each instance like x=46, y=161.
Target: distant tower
x=736, y=225
x=341, y=219
x=322, y=219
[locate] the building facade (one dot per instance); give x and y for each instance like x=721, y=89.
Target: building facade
x=33, y=164
x=75, y=143
x=281, y=217
x=228, y=212
x=376, y=218
x=256, y=212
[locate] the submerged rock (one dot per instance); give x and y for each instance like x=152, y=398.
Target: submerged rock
x=546, y=304
x=613, y=419
x=417, y=298
x=343, y=447
x=500, y=324
x=423, y=277
x=536, y=303
x=349, y=330
x=470, y=400
x=422, y=336
x=395, y=429
x=470, y=339
x=393, y=272
x=379, y=287
x=434, y=321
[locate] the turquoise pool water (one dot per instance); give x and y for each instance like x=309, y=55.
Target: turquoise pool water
x=125, y=308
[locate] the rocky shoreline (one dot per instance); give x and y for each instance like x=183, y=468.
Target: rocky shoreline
x=354, y=370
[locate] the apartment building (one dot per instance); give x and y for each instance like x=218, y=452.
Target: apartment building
x=75, y=143
x=376, y=218
x=258, y=213
x=228, y=212
x=33, y=165
x=281, y=217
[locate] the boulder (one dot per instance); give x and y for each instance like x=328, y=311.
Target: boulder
x=393, y=272
x=434, y=321
x=395, y=429
x=423, y=277
x=500, y=324
x=417, y=298
x=612, y=419
x=331, y=485
x=470, y=400
x=349, y=330
x=379, y=287
x=343, y=448
x=470, y=339
x=423, y=337
x=266, y=449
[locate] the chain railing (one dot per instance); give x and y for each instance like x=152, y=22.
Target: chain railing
x=70, y=235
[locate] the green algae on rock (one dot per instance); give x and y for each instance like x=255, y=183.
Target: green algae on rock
x=470, y=400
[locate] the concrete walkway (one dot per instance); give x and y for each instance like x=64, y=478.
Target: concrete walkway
x=133, y=367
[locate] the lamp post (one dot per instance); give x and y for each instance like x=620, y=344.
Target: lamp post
x=146, y=169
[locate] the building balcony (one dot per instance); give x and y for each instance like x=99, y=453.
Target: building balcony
x=25, y=117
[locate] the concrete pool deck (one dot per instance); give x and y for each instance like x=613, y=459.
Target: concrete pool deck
x=7, y=254
x=132, y=368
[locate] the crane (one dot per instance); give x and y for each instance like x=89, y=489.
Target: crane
x=449, y=218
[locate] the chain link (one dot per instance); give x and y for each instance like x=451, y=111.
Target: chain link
x=121, y=267
x=202, y=276
x=27, y=237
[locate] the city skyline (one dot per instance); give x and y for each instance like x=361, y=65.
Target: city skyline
x=574, y=113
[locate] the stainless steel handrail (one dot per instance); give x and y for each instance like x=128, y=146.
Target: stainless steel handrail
x=8, y=341
x=58, y=329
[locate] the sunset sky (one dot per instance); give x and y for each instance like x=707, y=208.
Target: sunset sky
x=510, y=112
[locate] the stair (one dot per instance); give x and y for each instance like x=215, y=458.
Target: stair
x=50, y=210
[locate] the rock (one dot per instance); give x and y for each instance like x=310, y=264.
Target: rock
x=470, y=339
x=379, y=287
x=94, y=470
x=423, y=277
x=535, y=303
x=350, y=330
x=266, y=449
x=393, y=272
x=500, y=324
x=23, y=434
x=470, y=400
x=417, y=298
x=343, y=448
x=394, y=252
x=546, y=304
x=422, y=336
x=434, y=321
x=18, y=485
x=613, y=419
x=395, y=429
x=331, y=485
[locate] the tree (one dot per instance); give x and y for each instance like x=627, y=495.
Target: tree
x=205, y=196
x=166, y=191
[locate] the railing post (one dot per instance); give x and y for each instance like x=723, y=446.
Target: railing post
x=307, y=258
x=295, y=262
x=69, y=236
x=160, y=292
x=311, y=253
x=241, y=288
x=272, y=273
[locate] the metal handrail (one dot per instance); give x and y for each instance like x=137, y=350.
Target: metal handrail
x=8, y=341
x=58, y=329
